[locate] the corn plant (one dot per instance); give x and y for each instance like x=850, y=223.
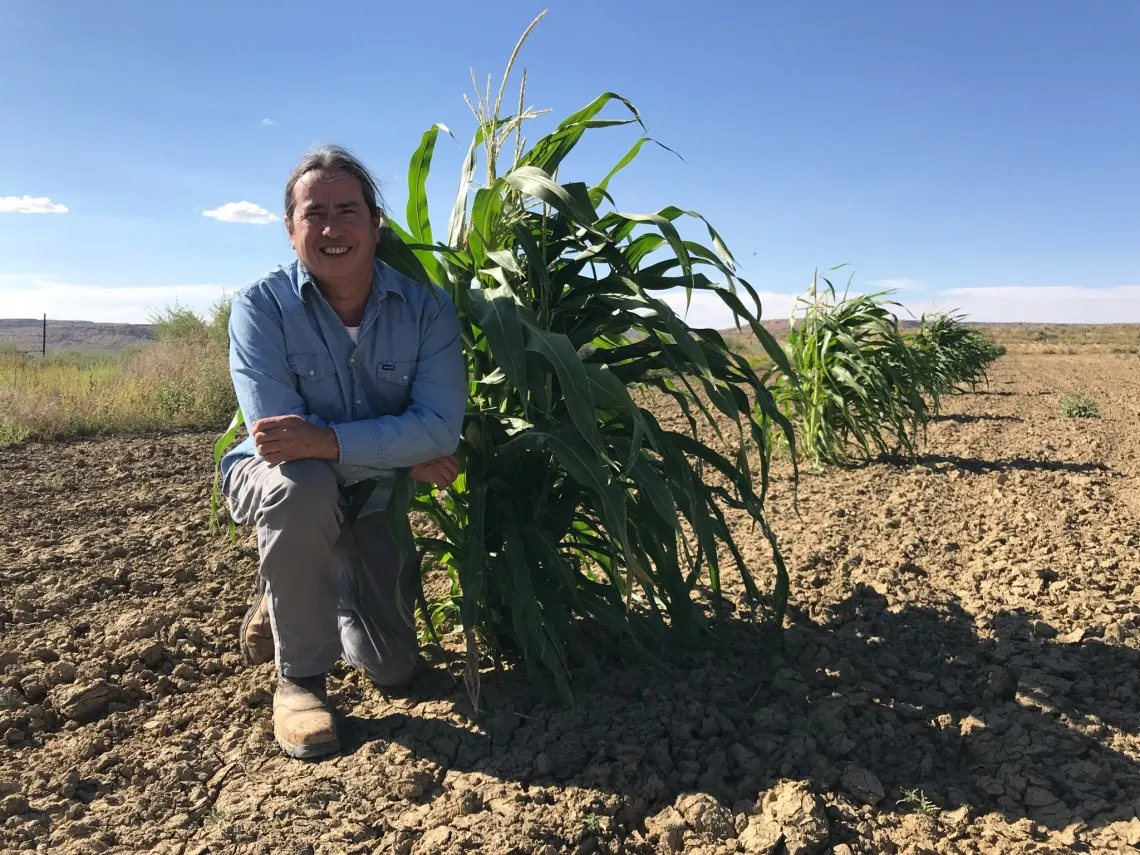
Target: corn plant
x=851, y=387
x=580, y=521
x=949, y=357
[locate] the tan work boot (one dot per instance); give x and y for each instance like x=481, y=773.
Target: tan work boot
x=302, y=718
x=256, y=636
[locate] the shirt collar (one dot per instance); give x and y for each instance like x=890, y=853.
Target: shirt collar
x=383, y=282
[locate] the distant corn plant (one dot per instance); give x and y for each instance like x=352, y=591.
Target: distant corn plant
x=850, y=388
x=949, y=356
x=580, y=521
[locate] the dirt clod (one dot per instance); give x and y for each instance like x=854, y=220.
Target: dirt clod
x=11, y=698
x=706, y=816
x=13, y=805
x=86, y=702
x=862, y=785
x=789, y=814
x=667, y=829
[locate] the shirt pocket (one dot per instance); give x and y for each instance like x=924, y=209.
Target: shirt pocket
x=317, y=383
x=394, y=383
x=397, y=372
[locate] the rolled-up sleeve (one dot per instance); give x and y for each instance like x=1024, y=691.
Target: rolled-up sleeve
x=432, y=423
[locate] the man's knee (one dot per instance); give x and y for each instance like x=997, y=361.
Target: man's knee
x=305, y=486
x=389, y=662
x=393, y=672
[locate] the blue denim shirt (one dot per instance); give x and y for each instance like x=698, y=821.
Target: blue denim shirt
x=394, y=400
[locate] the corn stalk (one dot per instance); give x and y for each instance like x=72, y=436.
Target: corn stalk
x=851, y=388
x=950, y=356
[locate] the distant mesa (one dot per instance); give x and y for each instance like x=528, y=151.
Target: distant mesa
x=26, y=334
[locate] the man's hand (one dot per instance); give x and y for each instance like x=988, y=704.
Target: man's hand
x=280, y=439
x=442, y=471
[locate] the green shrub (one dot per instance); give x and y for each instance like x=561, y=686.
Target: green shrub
x=1078, y=407
x=178, y=323
x=218, y=324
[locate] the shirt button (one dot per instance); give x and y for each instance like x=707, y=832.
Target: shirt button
x=311, y=372
x=359, y=402
x=405, y=376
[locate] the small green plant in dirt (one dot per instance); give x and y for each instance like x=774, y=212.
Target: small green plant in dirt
x=918, y=803
x=850, y=388
x=1079, y=407
x=563, y=538
x=593, y=822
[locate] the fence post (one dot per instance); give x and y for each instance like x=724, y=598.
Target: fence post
x=43, y=348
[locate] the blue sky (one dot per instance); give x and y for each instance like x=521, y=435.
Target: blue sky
x=974, y=155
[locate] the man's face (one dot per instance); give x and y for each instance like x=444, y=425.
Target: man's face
x=331, y=229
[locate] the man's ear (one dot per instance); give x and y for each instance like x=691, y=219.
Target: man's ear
x=289, y=231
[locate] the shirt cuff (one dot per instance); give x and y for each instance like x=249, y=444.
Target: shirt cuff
x=359, y=444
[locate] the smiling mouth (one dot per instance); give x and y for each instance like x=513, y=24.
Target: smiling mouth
x=334, y=250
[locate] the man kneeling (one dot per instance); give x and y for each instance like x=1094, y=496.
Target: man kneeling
x=346, y=372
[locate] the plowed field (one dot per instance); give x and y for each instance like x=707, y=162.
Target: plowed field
x=960, y=670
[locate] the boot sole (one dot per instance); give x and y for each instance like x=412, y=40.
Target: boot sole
x=306, y=752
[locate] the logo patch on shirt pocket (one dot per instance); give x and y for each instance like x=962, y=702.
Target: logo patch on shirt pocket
x=397, y=372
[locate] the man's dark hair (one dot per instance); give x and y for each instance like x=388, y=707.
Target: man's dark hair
x=334, y=158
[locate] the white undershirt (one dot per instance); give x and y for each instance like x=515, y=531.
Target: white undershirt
x=354, y=334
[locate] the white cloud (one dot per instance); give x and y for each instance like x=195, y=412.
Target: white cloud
x=1054, y=304
x=265, y=123
x=241, y=212
x=33, y=296
x=30, y=205
x=900, y=284
x=1047, y=304
x=707, y=310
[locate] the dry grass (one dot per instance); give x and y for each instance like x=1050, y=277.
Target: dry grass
x=174, y=384
x=1047, y=339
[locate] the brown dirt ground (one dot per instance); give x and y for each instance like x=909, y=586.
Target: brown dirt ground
x=967, y=628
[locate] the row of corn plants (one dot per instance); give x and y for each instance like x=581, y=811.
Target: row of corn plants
x=581, y=523
x=860, y=386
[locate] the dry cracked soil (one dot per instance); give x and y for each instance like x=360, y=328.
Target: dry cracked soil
x=958, y=672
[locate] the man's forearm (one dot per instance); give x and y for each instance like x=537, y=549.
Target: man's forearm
x=396, y=442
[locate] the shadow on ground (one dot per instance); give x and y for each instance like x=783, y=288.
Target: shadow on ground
x=971, y=418
x=979, y=466
x=1014, y=725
